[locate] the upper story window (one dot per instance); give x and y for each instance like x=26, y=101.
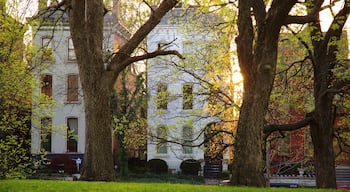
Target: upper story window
x=162, y=96
x=72, y=88
x=71, y=52
x=46, y=49
x=46, y=85
x=187, y=96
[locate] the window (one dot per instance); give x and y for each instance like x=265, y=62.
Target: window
x=71, y=52
x=72, y=134
x=162, y=96
x=187, y=136
x=73, y=88
x=46, y=85
x=46, y=129
x=161, y=141
x=187, y=96
x=46, y=49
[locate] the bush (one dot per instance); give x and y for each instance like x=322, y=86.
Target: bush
x=225, y=175
x=137, y=165
x=157, y=166
x=190, y=167
x=63, y=162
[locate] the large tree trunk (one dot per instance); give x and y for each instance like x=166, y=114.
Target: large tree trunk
x=86, y=27
x=248, y=158
x=97, y=77
x=322, y=123
x=258, y=66
x=98, y=159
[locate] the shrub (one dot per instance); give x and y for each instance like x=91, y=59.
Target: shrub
x=63, y=162
x=137, y=165
x=157, y=166
x=225, y=174
x=190, y=167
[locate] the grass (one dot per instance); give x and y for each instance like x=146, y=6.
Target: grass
x=77, y=186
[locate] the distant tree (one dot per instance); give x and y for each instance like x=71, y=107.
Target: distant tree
x=128, y=107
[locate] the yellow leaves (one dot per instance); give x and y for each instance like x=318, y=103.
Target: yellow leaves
x=46, y=54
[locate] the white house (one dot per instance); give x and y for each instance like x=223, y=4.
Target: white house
x=175, y=107
x=61, y=128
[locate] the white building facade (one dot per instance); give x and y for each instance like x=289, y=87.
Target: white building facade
x=175, y=106
x=60, y=128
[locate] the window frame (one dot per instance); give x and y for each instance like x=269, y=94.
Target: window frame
x=187, y=96
x=46, y=134
x=161, y=145
x=72, y=143
x=187, y=138
x=46, y=84
x=72, y=88
x=70, y=50
x=162, y=96
x=46, y=47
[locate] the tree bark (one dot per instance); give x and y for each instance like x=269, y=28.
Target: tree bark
x=258, y=68
x=98, y=159
x=86, y=19
x=322, y=123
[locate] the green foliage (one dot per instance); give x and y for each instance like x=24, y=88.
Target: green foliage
x=16, y=85
x=137, y=165
x=134, y=13
x=128, y=104
x=158, y=166
x=15, y=101
x=190, y=167
x=293, y=86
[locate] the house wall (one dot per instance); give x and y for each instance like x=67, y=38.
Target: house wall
x=60, y=67
x=160, y=70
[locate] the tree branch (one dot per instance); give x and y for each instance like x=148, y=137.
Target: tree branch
x=288, y=127
x=151, y=55
x=338, y=20
x=118, y=61
x=311, y=17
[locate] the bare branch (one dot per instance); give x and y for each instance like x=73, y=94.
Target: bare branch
x=311, y=17
x=339, y=20
x=118, y=61
x=151, y=55
x=287, y=127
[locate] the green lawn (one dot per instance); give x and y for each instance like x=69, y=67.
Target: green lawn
x=72, y=186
